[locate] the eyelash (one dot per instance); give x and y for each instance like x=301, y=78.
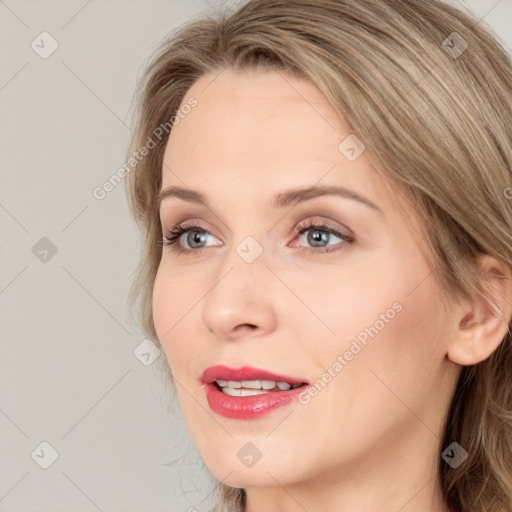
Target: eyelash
x=174, y=234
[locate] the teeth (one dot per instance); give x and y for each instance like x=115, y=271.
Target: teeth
x=252, y=385
x=242, y=392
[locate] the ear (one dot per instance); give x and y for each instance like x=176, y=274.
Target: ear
x=481, y=325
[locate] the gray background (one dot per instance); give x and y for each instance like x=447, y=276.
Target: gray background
x=68, y=372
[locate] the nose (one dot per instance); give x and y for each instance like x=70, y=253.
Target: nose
x=241, y=300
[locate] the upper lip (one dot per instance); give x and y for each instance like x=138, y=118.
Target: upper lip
x=221, y=372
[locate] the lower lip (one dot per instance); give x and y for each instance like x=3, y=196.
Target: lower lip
x=248, y=407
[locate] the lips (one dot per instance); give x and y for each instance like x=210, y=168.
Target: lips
x=244, y=381
x=220, y=372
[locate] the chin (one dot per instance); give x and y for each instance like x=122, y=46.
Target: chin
x=242, y=479
x=235, y=474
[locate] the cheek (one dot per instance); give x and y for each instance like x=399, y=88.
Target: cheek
x=399, y=361
x=386, y=317
x=163, y=306
x=361, y=301
x=173, y=303
x=370, y=382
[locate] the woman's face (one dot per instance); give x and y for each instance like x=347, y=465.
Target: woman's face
x=350, y=306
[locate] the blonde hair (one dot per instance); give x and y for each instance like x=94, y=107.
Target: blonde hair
x=428, y=89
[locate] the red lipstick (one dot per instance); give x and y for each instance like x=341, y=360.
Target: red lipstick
x=267, y=390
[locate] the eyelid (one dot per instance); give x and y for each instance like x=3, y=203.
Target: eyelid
x=312, y=225
x=174, y=235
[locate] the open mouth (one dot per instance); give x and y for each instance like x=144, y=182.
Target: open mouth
x=246, y=392
x=253, y=387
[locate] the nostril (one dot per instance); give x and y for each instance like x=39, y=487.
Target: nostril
x=249, y=327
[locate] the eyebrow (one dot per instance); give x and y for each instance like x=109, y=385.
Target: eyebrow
x=281, y=200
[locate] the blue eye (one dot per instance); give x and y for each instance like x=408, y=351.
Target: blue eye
x=195, y=235
x=319, y=235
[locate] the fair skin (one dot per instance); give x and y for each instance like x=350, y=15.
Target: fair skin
x=369, y=441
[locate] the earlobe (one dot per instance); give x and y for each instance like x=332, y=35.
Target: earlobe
x=482, y=323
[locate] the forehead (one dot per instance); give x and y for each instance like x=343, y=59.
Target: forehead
x=262, y=122
x=274, y=88
x=255, y=133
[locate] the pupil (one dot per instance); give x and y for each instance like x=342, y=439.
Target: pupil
x=195, y=236
x=318, y=236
